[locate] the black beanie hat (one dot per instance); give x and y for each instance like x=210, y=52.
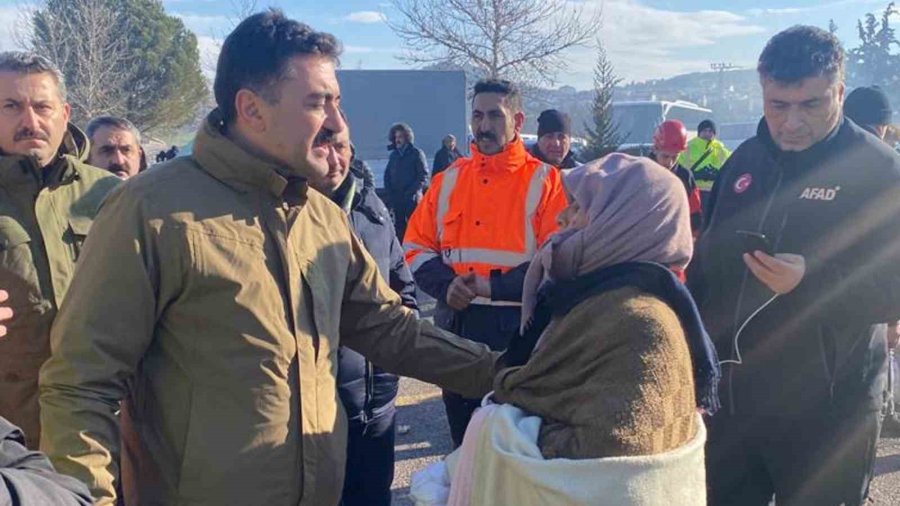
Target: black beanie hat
x=707, y=123
x=868, y=105
x=551, y=121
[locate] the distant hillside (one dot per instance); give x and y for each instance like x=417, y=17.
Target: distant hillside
x=734, y=96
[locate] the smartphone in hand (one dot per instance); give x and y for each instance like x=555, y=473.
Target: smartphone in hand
x=755, y=241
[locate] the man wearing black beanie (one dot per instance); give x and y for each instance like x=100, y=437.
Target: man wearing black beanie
x=869, y=107
x=555, y=140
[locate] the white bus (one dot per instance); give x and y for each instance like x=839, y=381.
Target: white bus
x=637, y=120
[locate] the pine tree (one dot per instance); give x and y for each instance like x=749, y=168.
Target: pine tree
x=603, y=136
x=875, y=61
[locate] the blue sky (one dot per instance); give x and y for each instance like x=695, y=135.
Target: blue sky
x=646, y=39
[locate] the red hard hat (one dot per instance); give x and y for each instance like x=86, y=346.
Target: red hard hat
x=670, y=137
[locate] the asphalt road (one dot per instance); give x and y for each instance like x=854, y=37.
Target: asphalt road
x=428, y=440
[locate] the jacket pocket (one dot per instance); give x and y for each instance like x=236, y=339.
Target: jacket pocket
x=12, y=234
x=451, y=236
x=326, y=327
x=79, y=226
x=18, y=273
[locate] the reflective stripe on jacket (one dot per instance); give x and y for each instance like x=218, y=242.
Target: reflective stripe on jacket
x=486, y=213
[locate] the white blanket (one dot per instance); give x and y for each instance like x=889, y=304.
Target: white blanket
x=509, y=470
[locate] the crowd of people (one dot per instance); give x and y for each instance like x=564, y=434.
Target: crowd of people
x=228, y=327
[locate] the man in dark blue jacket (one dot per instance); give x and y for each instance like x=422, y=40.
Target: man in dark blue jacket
x=800, y=331
x=405, y=176
x=367, y=392
x=28, y=479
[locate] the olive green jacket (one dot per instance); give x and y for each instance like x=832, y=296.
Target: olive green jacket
x=45, y=214
x=219, y=308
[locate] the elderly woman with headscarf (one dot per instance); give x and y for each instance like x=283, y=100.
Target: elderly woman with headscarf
x=600, y=402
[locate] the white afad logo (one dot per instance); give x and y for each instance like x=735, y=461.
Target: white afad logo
x=826, y=194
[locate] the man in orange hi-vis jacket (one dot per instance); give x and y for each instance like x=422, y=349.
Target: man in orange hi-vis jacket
x=470, y=240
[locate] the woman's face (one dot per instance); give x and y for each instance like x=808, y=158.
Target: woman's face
x=572, y=217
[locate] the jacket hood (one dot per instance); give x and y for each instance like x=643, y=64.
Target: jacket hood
x=406, y=129
x=75, y=143
x=234, y=166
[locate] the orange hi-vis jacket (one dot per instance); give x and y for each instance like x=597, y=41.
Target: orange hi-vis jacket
x=486, y=213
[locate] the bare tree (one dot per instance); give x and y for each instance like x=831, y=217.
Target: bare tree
x=522, y=40
x=84, y=39
x=241, y=10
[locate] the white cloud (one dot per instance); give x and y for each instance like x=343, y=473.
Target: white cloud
x=793, y=11
x=779, y=11
x=358, y=50
x=647, y=43
x=15, y=24
x=206, y=25
x=366, y=17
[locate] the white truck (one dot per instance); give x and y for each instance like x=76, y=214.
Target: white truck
x=432, y=102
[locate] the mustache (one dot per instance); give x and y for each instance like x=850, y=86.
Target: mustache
x=28, y=134
x=485, y=136
x=324, y=138
x=117, y=167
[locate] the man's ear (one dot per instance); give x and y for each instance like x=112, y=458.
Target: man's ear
x=839, y=92
x=143, y=165
x=519, y=119
x=250, y=110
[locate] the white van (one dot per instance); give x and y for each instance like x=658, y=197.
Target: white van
x=636, y=121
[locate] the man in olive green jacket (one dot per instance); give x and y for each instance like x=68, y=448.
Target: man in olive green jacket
x=48, y=199
x=214, y=293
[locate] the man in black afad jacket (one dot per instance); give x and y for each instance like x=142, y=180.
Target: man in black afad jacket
x=804, y=370
x=405, y=177
x=367, y=392
x=28, y=479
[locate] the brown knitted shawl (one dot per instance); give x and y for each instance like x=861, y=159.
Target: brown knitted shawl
x=613, y=377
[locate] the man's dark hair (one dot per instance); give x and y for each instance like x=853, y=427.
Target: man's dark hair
x=112, y=122
x=256, y=54
x=503, y=87
x=32, y=63
x=802, y=52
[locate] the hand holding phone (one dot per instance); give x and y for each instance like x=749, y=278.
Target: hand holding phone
x=755, y=241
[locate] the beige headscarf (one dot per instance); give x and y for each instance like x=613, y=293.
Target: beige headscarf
x=637, y=211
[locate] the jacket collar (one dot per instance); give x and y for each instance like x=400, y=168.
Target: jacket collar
x=511, y=159
x=226, y=161
x=346, y=195
x=353, y=195
x=17, y=170
x=809, y=156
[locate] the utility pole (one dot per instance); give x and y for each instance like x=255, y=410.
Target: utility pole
x=721, y=68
